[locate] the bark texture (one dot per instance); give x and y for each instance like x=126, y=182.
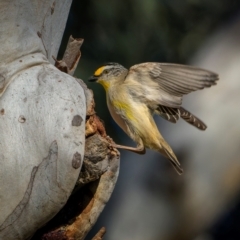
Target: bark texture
x=43, y=115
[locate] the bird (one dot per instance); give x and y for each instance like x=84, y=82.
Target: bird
x=134, y=95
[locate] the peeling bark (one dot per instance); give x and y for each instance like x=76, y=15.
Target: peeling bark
x=42, y=113
x=93, y=188
x=71, y=56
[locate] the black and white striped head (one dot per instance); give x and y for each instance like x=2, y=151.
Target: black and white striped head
x=109, y=73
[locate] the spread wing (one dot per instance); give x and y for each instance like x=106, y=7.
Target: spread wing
x=166, y=83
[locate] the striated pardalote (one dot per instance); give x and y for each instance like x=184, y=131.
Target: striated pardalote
x=135, y=95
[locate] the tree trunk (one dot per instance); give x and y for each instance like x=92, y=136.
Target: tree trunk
x=42, y=121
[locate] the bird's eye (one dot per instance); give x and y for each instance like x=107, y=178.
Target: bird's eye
x=106, y=71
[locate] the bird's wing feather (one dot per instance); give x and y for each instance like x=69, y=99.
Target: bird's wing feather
x=172, y=80
x=170, y=114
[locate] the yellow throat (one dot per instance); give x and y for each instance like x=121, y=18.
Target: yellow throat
x=105, y=84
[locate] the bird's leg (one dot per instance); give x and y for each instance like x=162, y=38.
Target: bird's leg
x=140, y=149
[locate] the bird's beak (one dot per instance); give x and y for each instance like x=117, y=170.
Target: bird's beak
x=93, y=79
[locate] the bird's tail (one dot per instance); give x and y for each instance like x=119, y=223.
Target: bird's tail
x=168, y=153
x=191, y=119
x=174, y=161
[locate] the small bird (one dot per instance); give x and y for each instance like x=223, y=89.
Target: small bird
x=135, y=95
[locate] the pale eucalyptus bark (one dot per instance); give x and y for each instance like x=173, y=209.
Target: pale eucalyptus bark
x=42, y=122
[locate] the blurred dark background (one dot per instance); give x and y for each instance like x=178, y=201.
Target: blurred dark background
x=131, y=32
x=135, y=31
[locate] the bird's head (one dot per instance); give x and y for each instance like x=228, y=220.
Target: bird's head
x=109, y=74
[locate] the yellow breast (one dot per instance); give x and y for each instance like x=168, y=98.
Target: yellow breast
x=125, y=108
